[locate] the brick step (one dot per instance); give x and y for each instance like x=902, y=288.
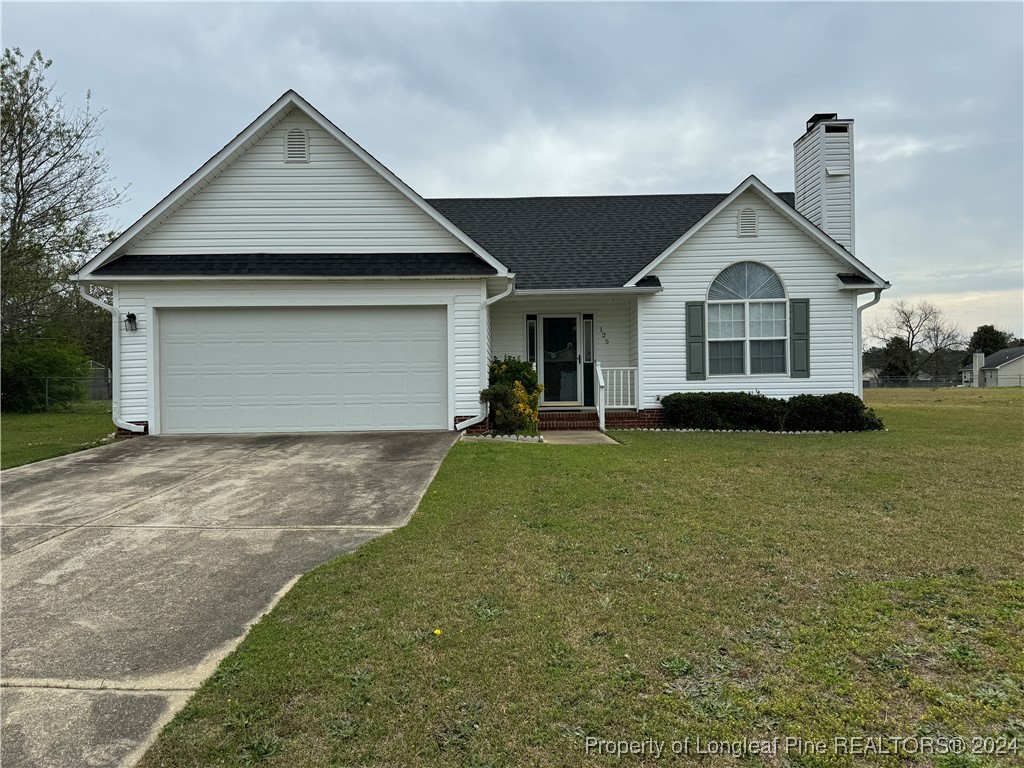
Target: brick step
x=566, y=420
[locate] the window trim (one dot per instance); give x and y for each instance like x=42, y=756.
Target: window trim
x=531, y=340
x=747, y=338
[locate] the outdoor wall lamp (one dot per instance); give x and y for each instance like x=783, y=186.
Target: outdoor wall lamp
x=129, y=322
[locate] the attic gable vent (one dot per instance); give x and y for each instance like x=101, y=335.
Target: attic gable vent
x=296, y=146
x=746, y=223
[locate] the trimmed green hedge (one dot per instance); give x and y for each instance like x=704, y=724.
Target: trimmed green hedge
x=838, y=412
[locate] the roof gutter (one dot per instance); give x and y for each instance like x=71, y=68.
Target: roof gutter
x=484, y=307
x=859, y=355
x=115, y=361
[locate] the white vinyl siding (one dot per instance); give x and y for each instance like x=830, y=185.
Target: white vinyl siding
x=839, y=187
x=809, y=171
x=823, y=164
x=459, y=298
x=807, y=271
x=333, y=203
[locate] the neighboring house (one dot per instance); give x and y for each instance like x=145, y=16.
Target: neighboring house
x=293, y=283
x=1004, y=368
x=871, y=377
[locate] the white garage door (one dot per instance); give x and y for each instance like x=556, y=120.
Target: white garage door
x=322, y=369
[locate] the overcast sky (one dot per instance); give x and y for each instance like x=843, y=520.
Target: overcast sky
x=585, y=98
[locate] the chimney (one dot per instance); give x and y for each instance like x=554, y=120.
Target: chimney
x=823, y=164
x=977, y=364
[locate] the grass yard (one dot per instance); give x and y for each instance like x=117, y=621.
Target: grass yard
x=28, y=437
x=680, y=586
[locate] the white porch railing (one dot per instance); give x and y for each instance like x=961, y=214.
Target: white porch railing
x=621, y=387
x=616, y=388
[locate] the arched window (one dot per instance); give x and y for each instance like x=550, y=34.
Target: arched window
x=747, y=324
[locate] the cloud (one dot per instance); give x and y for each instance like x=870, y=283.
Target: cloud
x=885, y=149
x=969, y=309
x=665, y=148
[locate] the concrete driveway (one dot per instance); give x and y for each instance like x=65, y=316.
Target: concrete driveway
x=131, y=570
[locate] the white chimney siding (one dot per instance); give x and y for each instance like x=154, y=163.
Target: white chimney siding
x=823, y=164
x=977, y=363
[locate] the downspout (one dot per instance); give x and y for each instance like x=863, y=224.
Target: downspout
x=859, y=383
x=115, y=362
x=484, y=307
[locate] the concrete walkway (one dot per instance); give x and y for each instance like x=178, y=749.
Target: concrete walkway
x=131, y=570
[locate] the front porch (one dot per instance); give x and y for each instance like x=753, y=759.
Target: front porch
x=584, y=348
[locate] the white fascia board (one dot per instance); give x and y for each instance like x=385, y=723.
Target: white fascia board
x=769, y=197
x=243, y=141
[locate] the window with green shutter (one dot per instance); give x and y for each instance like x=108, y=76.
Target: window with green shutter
x=800, y=338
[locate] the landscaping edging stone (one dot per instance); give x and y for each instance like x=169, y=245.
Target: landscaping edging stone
x=736, y=431
x=505, y=438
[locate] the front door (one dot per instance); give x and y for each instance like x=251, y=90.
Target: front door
x=560, y=360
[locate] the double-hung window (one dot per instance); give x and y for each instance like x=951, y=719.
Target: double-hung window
x=746, y=316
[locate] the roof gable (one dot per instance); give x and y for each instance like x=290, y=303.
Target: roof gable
x=342, y=201
x=785, y=207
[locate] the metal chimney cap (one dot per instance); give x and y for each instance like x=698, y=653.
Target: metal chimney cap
x=819, y=117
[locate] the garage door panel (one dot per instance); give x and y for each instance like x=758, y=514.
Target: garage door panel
x=428, y=352
x=179, y=352
x=285, y=353
x=252, y=385
x=324, y=384
x=285, y=384
x=250, y=353
x=303, y=369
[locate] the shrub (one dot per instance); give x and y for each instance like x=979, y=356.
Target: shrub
x=839, y=412
x=24, y=368
x=513, y=396
x=723, y=410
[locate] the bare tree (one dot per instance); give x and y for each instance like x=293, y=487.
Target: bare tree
x=55, y=192
x=921, y=328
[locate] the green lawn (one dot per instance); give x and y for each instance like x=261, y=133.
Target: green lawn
x=680, y=586
x=28, y=437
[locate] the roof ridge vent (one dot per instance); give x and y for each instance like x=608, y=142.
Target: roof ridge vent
x=296, y=146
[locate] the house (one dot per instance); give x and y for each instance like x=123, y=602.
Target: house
x=293, y=283
x=1004, y=368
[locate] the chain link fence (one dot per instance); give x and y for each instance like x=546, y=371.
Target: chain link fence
x=989, y=379
x=902, y=382
x=51, y=394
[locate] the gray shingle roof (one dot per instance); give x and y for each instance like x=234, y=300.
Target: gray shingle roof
x=578, y=242
x=549, y=242
x=1003, y=356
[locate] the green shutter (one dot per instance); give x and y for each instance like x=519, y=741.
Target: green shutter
x=695, y=341
x=800, y=338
